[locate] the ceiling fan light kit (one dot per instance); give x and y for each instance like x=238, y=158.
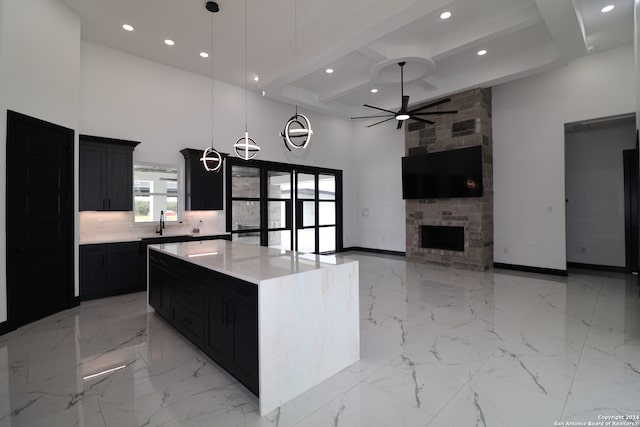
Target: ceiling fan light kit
x=404, y=113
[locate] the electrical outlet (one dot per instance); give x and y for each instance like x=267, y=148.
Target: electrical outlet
x=505, y=250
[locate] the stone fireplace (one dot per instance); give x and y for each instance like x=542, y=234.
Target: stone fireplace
x=454, y=232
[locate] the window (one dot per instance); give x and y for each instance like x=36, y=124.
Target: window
x=155, y=190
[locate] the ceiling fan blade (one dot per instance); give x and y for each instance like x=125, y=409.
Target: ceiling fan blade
x=433, y=104
x=405, y=103
x=418, y=119
x=399, y=124
x=381, y=109
x=432, y=113
x=372, y=117
x=382, y=121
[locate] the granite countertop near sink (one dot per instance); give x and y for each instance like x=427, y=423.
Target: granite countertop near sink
x=94, y=240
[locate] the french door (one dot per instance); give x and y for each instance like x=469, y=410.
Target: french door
x=284, y=206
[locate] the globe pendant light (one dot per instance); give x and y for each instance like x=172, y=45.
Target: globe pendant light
x=246, y=148
x=211, y=159
x=297, y=131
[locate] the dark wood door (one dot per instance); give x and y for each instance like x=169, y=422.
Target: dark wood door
x=40, y=256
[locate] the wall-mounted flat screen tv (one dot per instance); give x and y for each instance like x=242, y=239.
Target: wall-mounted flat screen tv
x=443, y=174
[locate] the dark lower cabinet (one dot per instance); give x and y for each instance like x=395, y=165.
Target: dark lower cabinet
x=216, y=312
x=109, y=269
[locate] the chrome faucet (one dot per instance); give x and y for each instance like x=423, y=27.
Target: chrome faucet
x=161, y=226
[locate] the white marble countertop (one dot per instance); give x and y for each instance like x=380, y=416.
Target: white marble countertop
x=130, y=238
x=252, y=263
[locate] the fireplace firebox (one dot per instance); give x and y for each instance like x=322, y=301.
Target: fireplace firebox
x=443, y=237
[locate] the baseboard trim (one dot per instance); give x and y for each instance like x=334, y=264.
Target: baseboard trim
x=529, y=269
x=597, y=267
x=5, y=327
x=374, y=251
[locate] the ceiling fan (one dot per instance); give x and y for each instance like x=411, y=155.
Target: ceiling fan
x=404, y=113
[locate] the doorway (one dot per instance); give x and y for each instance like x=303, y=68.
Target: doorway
x=284, y=206
x=599, y=164
x=40, y=219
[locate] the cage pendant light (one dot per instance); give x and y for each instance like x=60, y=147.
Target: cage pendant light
x=211, y=159
x=297, y=130
x=245, y=147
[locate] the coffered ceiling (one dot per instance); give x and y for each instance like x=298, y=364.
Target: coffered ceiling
x=361, y=40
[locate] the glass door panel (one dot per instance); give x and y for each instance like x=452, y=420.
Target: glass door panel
x=326, y=187
x=279, y=216
x=327, y=242
x=306, y=186
x=279, y=185
x=327, y=213
x=306, y=214
x=280, y=209
x=280, y=239
x=245, y=182
x=307, y=240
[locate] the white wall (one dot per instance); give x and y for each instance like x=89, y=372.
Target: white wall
x=528, y=150
x=595, y=194
x=39, y=72
x=167, y=109
x=379, y=218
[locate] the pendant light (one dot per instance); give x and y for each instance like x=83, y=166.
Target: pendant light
x=297, y=131
x=211, y=159
x=246, y=148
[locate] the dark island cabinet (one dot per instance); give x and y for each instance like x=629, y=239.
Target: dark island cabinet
x=109, y=269
x=106, y=174
x=203, y=188
x=216, y=312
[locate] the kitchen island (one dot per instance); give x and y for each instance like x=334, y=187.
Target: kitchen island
x=279, y=321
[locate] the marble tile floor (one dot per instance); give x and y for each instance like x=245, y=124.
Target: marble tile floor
x=439, y=347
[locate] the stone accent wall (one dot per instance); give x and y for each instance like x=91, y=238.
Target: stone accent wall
x=469, y=127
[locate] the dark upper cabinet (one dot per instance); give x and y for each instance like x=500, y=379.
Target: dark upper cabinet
x=203, y=189
x=106, y=174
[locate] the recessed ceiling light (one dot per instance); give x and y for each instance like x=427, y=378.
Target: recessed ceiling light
x=329, y=71
x=256, y=78
x=169, y=42
x=445, y=15
x=374, y=90
x=127, y=27
x=482, y=52
x=204, y=54
x=607, y=8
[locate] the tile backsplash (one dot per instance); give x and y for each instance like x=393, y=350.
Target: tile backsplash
x=95, y=226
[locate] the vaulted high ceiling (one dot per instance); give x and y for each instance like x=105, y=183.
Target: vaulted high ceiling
x=362, y=40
